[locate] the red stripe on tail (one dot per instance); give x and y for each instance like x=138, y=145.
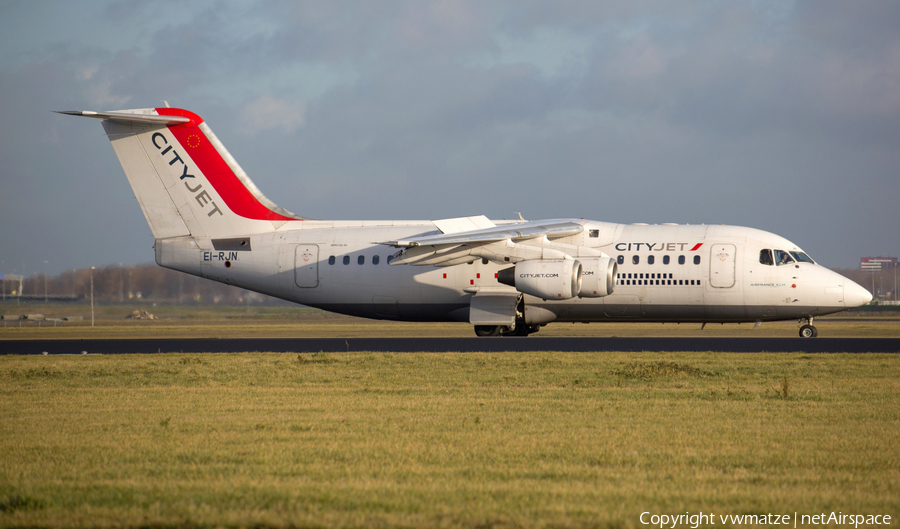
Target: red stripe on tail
x=236, y=196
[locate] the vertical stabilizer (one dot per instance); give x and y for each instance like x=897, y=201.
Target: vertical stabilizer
x=184, y=179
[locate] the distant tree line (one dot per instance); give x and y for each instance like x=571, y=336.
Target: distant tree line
x=136, y=283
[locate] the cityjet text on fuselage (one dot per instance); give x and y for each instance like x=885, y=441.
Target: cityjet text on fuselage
x=200, y=195
x=657, y=246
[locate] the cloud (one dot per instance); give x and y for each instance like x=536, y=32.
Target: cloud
x=268, y=112
x=662, y=111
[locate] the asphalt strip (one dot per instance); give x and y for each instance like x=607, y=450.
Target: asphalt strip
x=450, y=345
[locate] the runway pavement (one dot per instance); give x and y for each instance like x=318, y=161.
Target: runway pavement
x=447, y=345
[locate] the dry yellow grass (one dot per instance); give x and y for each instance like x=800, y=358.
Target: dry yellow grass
x=453, y=440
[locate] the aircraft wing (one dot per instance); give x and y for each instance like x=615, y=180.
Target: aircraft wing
x=508, y=243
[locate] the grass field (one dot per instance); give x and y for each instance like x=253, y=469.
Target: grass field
x=211, y=321
x=451, y=440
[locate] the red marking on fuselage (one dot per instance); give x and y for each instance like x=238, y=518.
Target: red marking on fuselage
x=696, y=246
x=209, y=162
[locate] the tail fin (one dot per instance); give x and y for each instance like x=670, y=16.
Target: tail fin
x=184, y=179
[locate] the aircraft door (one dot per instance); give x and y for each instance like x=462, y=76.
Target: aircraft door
x=721, y=265
x=306, y=266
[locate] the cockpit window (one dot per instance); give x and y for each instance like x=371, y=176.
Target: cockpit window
x=783, y=258
x=802, y=257
x=765, y=257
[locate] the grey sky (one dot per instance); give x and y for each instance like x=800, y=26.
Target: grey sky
x=783, y=116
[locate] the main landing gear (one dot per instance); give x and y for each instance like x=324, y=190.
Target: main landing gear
x=487, y=330
x=808, y=331
x=520, y=329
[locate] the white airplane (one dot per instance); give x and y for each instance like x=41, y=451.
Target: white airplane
x=503, y=277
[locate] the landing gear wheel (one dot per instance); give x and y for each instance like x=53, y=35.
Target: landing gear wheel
x=520, y=330
x=487, y=330
x=808, y=331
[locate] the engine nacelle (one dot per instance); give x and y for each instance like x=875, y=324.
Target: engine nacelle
x=598, y=277
x=544, y=278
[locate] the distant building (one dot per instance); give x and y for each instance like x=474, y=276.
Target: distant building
x=877, y=263
x=10, y=290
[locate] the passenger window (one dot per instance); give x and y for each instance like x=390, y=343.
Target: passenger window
x=651, y=259
x=390, y=258
x=765, y=257
x=665, y=259
x=620, y=259
x=374, y=259
x=346, y=259
x=636, y=259
x=331, y=260
x=594, y=233
x=680, y=259
x=783, y=258
x=361, y=259
x=696, y=259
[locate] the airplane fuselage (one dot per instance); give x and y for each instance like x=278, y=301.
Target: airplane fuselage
x=667, y=273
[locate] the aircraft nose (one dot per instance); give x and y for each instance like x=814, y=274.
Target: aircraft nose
x=855, y=295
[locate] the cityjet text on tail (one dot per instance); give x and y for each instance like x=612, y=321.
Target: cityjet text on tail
x=502, y=277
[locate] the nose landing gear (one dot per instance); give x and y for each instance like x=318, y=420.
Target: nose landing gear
x=808, y=331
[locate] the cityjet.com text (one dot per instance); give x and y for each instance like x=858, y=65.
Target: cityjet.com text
x=789, y=520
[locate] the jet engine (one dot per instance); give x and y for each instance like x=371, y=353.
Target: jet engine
x=598, y=277
x=544, y=278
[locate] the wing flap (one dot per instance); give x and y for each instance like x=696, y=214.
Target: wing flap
x=463, y=224
x=509, y=243
x=552, y=229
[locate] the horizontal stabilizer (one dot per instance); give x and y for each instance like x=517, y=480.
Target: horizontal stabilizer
x=126, y=117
